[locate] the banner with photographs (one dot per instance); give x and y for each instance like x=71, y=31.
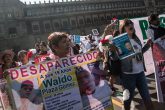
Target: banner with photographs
x=64, y=84
x=159, y=60
x=75, y=38
x=122, y=42
x=4, y=97
x=94, y=89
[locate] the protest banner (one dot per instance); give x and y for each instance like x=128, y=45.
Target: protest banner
x=40, y=58
x=122, y=42
x=4, y=97
x=159, y=59
x=56, y=85
x=96, y=93
x=4, y=93
x=77, y=39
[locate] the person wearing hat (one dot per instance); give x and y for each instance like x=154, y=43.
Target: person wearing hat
x=6, y=59
x=60, y=45
x=155, y=32
x=23, y=58
x=43, y=48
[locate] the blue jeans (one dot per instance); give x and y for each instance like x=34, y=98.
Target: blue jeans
x=130, y=82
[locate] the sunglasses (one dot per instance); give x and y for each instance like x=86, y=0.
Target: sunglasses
x=28, y=88
x=131, y=28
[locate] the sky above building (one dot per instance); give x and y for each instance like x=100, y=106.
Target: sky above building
x=42, y=1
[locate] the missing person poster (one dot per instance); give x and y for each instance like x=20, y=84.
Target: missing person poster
x=62, y=84
x=159, y=60
x=94, y=89
x=122, y=42
x=4, y=97
x=95, y=32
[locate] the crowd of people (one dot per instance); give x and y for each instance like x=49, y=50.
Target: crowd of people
x=130, y=70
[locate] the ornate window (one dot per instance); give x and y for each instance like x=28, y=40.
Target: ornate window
x=88, y=20
x=35, y=27
x=73, y=22
x=81, y=21
x=47, y=27
x=56, y=25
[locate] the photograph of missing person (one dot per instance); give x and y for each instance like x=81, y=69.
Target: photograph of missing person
x=95, y=32
x=126, y=49
x=128, y=46
x=93, y=89
x=27, y=95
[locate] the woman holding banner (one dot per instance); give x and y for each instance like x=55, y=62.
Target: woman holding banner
x=60, y=45
x=133, y=70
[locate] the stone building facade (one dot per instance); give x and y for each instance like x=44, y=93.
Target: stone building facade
x=21, y=24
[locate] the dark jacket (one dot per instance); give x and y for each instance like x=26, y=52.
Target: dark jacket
x=126, y=64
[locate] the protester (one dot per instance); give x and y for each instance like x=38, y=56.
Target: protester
x=74, y=47
x=43, y=48
x=43, y=53
x=133, y=70
x=6, y=58
x=37, y=47
x=111, y=55
x=155, y=32
x=59, y=45
x=23, y=58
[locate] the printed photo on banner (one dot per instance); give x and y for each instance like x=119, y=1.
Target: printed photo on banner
x=77, y=39
x=95, y=32
x=122, y=42
x=68, y=83
x=4, y=95
x=26, y=94
x=95, y=91
x=159, y=59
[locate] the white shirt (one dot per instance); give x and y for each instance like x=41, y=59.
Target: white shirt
x=137, y=66
x=150, y=33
